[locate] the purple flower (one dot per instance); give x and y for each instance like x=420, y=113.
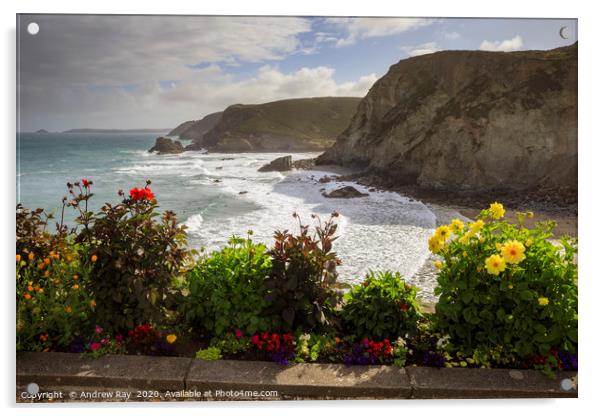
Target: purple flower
x=433, y=359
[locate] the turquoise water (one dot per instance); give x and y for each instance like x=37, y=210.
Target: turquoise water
x=220, y=195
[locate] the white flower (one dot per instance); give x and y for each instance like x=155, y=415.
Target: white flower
x=305, y=337
x=442, y=342
x=400, y=342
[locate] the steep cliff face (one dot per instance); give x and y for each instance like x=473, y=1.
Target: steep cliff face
x=195, y=129
x=469, y=120
x=303, y=124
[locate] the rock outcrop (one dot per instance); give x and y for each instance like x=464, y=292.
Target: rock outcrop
x=304, y=124
x=469, y=120
x=195, y=130
x=280, y=164
x=164, y=145
x=344, y=192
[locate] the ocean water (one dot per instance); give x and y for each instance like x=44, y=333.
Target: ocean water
x=220, y=195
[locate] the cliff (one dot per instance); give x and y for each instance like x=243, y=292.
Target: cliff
x=305, y=124
x=469, y=120
x=196, y=129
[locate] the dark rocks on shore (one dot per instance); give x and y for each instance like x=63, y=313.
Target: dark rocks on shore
x=345, y=192
x=304, y=163
x=164, y=145
x=280, y=164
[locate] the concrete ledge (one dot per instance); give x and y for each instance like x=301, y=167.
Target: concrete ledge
x=301, y=380
x=296, y=381
x=119, y=371
x=490, y=383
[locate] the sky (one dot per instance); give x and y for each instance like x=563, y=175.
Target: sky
x=112, y=71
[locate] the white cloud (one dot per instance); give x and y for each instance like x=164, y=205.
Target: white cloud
x=502, y=46
x=423, y=49
x=372, y=27
x=451, y=35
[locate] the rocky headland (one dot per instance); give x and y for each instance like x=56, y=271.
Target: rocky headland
x=486, y=124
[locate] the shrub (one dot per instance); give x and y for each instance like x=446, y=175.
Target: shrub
x=226, y=290
x=383, y=306
x=54, y=302
x=301, y=292
x=506, y=292
x=209, y=354
x=136, y=257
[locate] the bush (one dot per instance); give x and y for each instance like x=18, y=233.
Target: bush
x=383, y=306
x=506, y=291
x=300, y=286
x=136, y=257
x=226, y=290
x=54, y=302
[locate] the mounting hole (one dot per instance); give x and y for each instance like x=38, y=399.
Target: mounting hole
x=33, y=28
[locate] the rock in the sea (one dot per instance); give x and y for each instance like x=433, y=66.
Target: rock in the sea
x=469, y=120
x=164, y=145
x=345, y=192
x=280, y=164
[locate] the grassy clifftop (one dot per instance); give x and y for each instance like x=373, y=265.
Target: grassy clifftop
x=288, y=125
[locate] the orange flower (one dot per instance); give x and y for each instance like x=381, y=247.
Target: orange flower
x=27, y=296
x=337, y=340
x=46, y=273
x=46, y=261
x=68, y=309
x=46, y=349
x=30, y=288
x=18, y=258
x=31, y=256
x=43, y=337
x=69, y=258
x=94, y=258
x=75, y=277
x=92, y=303
x=75, y=287
x=39, y=290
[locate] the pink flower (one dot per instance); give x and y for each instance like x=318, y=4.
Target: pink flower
x=119, y=338
x=98, y=329
x=94, y=346
x=104, y=341
x=238, y=333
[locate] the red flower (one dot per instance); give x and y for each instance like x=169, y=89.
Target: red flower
x=95, y=346
x=141, y=194
x=86, y=183
x=404, y=307
x=238, y=333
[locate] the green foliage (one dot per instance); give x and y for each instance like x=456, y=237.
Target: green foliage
x=383, y=306
x=226, y=290
x=311, y=347
x=301, y=285
x=54, y=301
x=528, y=308
x=209, y=354
x=137, y=258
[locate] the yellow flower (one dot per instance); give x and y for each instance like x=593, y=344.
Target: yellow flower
x=528, y=242
x=498, y=246
x=457, y=226
x=94, y=258
x=92, y=303
x=466, y=237
x=435, y=244
x=465, y=254
x=543, y=301
x=69, y=258
x=476, y=226
x=513, y=251
x=530, y=214
x=171, y=338
x=510, y=286
x=68, y=309
x=495, y=264
x=438, y=264
x=497, y=210
x=443, y=232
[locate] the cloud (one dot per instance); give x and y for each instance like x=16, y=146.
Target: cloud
x=355, y=29
x=425, y=48
x=451, y=35
x=502, y=46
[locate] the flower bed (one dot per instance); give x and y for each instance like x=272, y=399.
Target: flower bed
x=122, y=281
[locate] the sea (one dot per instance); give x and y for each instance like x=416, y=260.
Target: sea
x=218, y=195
